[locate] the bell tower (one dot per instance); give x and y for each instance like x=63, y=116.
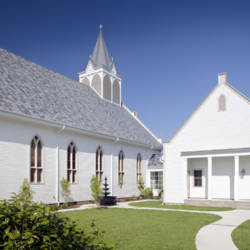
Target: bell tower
x=100, y=73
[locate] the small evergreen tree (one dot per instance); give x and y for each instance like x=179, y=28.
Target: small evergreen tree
x=65, y=189
x=141, y=186
x=96, y=190
x=25, y=192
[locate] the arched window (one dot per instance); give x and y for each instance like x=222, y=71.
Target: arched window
x=96, y=84
x=36, y=168
x=71, y=163
x=116, y=92
x=107, y=88
x=222, y=103
x=86, y=81
x=121, y=168
x=138, y=167
x=99, y=165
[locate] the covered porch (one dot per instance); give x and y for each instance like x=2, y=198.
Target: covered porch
x=217, y=176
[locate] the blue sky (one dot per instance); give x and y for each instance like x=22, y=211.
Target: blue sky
x=168, y=52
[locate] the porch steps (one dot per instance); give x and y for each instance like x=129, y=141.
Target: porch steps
x=210, y=203
x=242, y=204
x=245, y=205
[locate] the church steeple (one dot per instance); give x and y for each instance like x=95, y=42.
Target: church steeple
x=101, y=74
x=100, y=55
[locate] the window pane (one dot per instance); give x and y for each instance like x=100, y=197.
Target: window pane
x=39, y=154
x=156, y=180
x=96, y=161
x=197, y=178
x=198, y=182
x=32, y=154
x=100, y=164
x=74, y=177
x=32, y=175
x=68, y=157
x=69, y=175
x=197, y=173
x=74, y=158
x=39, y=175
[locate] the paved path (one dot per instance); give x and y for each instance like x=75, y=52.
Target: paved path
x=215, y=236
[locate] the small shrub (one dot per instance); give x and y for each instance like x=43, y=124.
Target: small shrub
x=147, y=193
x=96, y=190
x=65, y=189
x=134, y=198
x=25, y=224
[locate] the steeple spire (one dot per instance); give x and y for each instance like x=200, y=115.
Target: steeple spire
x=100, y=55
x=100, y=73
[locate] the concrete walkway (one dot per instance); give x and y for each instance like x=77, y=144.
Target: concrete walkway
x=215, y=236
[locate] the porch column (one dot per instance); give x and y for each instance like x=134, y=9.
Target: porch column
x=186, y=188
x=209, y=178
x=236, y=177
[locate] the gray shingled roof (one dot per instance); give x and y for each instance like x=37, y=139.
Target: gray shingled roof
x=30, y=89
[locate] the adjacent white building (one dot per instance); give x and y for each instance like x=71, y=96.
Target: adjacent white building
x=209, y=156
x=52, y=127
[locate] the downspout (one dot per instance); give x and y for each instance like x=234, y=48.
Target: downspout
x=111, y=165
x=57, y=166
x=111, y=171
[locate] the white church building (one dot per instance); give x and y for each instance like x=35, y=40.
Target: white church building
x=208, y=159
x=52, y=127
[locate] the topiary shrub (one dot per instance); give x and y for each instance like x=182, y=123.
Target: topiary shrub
x=25, y=224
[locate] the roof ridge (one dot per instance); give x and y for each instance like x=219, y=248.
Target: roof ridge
x=238, y=92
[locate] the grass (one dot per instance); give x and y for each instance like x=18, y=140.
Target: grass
x=145, y=229
x=158, y=204
x=241, y=236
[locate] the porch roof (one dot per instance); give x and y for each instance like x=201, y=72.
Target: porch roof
x=216, y=152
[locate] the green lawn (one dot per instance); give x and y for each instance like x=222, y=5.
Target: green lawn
x=241, y=236
x=158, y=204
x=146, y=229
